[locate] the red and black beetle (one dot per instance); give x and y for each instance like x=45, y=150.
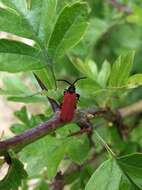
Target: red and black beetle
x=69, y=103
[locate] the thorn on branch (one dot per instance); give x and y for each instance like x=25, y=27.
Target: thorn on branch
x=55, y=106
x=41, y=84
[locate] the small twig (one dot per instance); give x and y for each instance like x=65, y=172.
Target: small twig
x=131, y=109
x=120, y=7
x=96, y=112
x=80, y=132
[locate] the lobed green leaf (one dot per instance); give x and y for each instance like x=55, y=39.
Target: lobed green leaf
x=16, y=63
x=78, y=149
x=15, y=175
x=132, y=167
x=121, y=70
x=69, y=29
x=106, y=177
x=45, y=153
x=135, y=80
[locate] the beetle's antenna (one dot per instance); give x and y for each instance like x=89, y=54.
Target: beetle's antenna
x=64, y=81
x=78, y=79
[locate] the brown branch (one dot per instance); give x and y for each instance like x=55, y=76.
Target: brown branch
x=18, y=142
x=131, y=109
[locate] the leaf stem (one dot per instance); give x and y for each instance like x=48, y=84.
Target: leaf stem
x=105, y=144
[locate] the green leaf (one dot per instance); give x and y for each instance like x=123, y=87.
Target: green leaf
x=39, y=21
x=28, y=121
x=132, y=167
x=29, y=3
x=14, y=176
x=78, y=149
x=18, y=92
x=46, y=76
x=106, y=177
x=35, y=23
x=92, y=68
x=18, y=128
x=14, y=86
x=136, y=17
x=42, y=186
x=87, y=67
x=15, y=47
x=42, y=17
x=22, y=115
x=126, y=185
x=45, y=153
x=121, y=70
x=27, y=99
x=16, y=63
x=69, y=29
x=104, y=74
x=10, y=19
x=135, y=80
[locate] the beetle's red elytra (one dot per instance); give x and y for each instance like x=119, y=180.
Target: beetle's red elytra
x=68, y=106
x=69, y=103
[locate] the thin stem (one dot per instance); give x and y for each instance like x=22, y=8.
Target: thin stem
x=104, y=144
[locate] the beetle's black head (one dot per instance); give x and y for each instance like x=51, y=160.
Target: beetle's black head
x=71, y=88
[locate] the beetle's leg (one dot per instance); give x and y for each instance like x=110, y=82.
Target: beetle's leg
x=65, y=91
x=78, y=96
x=61, y=105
